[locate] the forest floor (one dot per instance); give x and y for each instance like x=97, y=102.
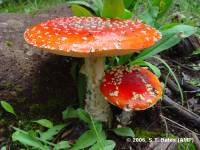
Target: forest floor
x=41, y=85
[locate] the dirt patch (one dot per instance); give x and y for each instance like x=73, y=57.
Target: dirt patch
x=29, y=77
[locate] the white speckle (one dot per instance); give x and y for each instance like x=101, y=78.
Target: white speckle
x=137, y=109
x=144, y=32
x=149, y=101
x=64, y=38
x=46, y=33
x=84, y=38
x=115, y=93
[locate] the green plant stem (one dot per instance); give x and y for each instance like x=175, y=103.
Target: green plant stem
x=173, y=75
x=97, y=135
x=165, y=83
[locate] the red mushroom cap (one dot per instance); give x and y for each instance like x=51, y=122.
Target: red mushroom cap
x=91, y=36
x=131, y=88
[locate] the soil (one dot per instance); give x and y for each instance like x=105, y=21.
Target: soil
x=30, y=77
x=41, y=85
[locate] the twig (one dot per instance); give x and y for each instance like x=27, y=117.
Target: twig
x=182, y=111
x=172, y=121
x=182, y=65
x=165, y=122
x=187, y=86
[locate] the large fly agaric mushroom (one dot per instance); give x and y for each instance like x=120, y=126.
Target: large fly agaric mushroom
x=92, y=38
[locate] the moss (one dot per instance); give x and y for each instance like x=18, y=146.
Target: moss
x=18, y=88
x=35, y=108
x=8, y=43
x=8, y=85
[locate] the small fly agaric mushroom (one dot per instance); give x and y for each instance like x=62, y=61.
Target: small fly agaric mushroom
x=131, y=88
x=92, y=38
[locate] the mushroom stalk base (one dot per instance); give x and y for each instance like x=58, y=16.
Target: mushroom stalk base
x=96, y=105
x=125, y=118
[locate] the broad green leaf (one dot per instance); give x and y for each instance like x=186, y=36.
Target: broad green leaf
x=45, y=123
x=164, y=6
x=83, y=3
x=7, y=107
x=156, y=3
x=79, y=113
x=62, y=145
x=124, y=59
x=27, y=140
x=106, y=145
x=69, y=113
x=154, y=68
x=127, y=14
x=170, y=37
x=149, y=15
x=3, y=148
x=33, y=133
x=182, y=31
x=124, y=132
x=50, y=133
x=80, y=11
x=97, y=6
x=113, y=9
x=128, y=3
x=83, y=115
x=98, y=129
x=85, y=140
x=196, y=52
x=168, y=26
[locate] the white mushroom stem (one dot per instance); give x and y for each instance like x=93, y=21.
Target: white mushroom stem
x=96, y=105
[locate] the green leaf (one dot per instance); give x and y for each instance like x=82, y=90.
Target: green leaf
x=83, y=115
x=97, y=7
x=124, y=131
x=107, y=145
x=69, y=113
x=62, y=145
x=170, y=37
x=83, y=3
x=196, y=52
x=7, y=107
x=3, y=148
x=27, y=140
x=85, y=140
x=80, y=11
x=168, y=26
x=164, y=6
x=154, y=68
x=113, y=9
x=149, y=15
x=173, y=75
x=79, y=113
x=124, y=59
x=128, y=3
x=127, y=14
x=50, y=133
x=98, y=129
x=45, y=123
